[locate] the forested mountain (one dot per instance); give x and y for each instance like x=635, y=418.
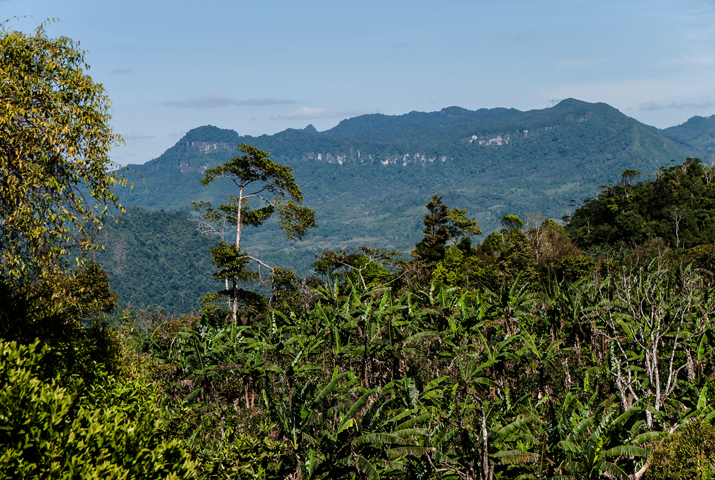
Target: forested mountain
x=697, y=134
x=157, y=259
x=369, y=177
x=489, y=161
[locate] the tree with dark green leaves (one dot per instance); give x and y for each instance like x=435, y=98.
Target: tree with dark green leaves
x=56, y=183
x=48, y=431
x=677, y=204
x=441, y=225
x=263, y=188
x=688, y=453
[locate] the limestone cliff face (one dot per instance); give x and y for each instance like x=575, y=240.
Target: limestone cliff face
x=194, y=149
x=405, y=159
x=197, y=156
x=500, y=139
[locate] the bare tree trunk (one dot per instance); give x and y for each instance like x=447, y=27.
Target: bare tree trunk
x=234, y=295
x=238, y=219
x=485, y=438
x=234, y=307
x=647, y=313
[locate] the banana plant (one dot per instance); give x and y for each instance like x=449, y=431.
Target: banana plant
x=298, y=412
x=566, y=305
x=512, y=305
x=344, y=429
x=543, y=358
x=586, y=443
x=383, y=436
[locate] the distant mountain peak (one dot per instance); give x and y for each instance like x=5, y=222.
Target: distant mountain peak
x=572, y=102
x=697, y=134
x=310, y=129
x=209, y=133
x=454, y=111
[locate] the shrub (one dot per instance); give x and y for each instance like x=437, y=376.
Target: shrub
x=45, y=433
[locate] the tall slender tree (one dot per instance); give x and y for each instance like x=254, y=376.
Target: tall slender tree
x=269, y=187
x=443, y=224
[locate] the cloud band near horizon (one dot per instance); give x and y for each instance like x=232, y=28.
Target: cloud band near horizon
x=309, y=113
x=221, y=100
x=655, y=106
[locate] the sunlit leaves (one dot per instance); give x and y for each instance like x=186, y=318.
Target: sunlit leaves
x=54, y=145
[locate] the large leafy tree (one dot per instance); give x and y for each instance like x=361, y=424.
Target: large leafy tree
x=55, y=140
x=47, y=431
x=264, y=188
x=441, y=225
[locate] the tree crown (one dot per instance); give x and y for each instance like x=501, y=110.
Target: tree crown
x=55, y=140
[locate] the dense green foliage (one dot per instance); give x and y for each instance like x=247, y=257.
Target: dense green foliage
x=677, y=204
x=45, y=432
x=52, y=144
x=157, y=260
x=520, y=357
x=432, y=384
x=689, y=453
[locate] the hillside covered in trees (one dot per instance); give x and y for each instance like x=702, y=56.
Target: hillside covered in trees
x=369, y=177
x=528, y=350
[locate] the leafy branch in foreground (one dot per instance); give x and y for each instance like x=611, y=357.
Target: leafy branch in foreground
x=55, y=140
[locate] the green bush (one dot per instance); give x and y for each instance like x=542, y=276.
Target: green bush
x=45, y=433
x=688, y=453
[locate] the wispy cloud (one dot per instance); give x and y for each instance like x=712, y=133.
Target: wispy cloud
x=646, y=95
x=121, y=71
x=577, y=63
x=654, y=106
x=132, y=136
x=265, y=101
x=221, y=100
x=314, y=113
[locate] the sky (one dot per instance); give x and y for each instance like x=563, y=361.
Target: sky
x=259, y=67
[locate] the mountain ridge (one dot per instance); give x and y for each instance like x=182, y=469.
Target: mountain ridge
x=370, y=189
x=401, y=133
x=487, y=160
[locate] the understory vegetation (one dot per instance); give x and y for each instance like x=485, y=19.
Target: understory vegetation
x=524, y=356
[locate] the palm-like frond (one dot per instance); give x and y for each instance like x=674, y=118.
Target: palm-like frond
x=628, y=450
x=367, y=468
x=408, y=450
x=378, y=438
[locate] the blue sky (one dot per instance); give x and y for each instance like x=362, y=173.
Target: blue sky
x=263, y=66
